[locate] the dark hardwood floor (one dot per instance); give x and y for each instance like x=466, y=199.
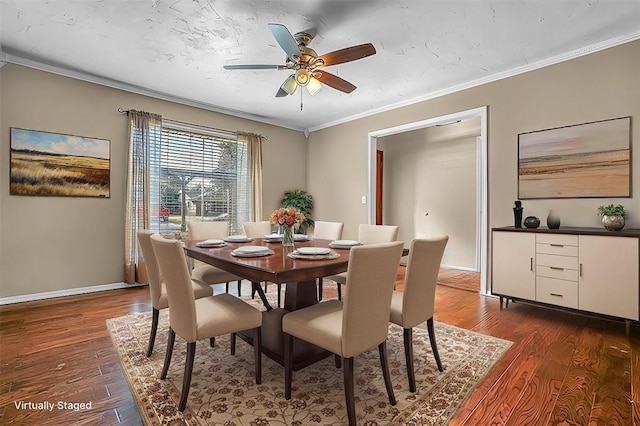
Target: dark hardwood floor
x=563, y=368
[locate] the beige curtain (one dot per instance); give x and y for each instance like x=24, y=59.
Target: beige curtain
x=145, y=130
x=254, y=150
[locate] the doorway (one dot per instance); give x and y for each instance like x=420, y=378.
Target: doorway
x=481, y=180
x=379, y=185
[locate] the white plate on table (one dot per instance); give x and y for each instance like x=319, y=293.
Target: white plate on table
x=252, y=251
x=211, y=243
x=312, y=251
x=344, y=243
x=272, y=237
x=238, y=239
x=300, y=237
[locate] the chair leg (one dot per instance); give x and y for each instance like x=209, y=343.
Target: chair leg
x=279, y=293
x=408, y=356
x=384, y=364
x=434, y=346
x=288, y=365
x=167, y=357
x=339, y=291
x=349, y=395
x=338, y=360
x=257, y=350
x=233, y=343
x=188, y=369
x=154, y=330
x=320, y=289
x=226, y=287
x=239, y=288
x=212, y=342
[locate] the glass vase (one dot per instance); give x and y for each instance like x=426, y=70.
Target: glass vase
x=287, y=236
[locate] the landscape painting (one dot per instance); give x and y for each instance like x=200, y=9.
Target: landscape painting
x=580, y=161
x=53, y=164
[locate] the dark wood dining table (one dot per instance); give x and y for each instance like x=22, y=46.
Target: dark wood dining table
x=299, y=276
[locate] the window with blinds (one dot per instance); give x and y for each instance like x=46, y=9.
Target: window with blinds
x=202, y=175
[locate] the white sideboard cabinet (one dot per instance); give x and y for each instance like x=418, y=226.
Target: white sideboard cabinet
x=588, y=269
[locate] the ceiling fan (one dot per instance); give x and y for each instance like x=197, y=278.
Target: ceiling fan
x=306, y=63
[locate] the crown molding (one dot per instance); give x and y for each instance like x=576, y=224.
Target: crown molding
x=583, y=51
x=90, y=78
x=593, y=48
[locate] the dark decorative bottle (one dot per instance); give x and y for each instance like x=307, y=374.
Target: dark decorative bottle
x=517, y=214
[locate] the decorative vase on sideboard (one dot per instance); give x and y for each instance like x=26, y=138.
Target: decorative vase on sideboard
x=531, y=222
x=553, y=220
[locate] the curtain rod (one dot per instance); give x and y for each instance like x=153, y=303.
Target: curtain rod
x=126, y=111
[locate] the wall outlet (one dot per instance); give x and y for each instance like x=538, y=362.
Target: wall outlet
x=364, y=199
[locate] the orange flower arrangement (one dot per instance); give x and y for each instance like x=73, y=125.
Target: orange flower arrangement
x=287, y=216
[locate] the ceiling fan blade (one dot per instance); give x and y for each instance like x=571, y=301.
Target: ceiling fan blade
x=348, y=54
x=285, y=40
x=334, y=81
x=281, y=93
x=254, y=67
x=288, y=87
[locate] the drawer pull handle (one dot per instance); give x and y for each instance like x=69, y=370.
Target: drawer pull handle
x=555, y=294
x=580, y=272
x=556, y=245
x=531, y=265
x=556, y=268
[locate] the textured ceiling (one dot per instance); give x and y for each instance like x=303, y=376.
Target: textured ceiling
x=177, y=48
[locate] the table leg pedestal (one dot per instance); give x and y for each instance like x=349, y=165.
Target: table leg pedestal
x=298, y=295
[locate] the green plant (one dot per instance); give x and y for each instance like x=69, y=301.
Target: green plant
x=303, y=201
x=612, y=210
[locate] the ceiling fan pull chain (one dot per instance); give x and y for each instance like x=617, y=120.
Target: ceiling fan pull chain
x=301, y=99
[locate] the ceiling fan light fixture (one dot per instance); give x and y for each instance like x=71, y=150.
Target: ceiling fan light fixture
x=289, y=84
x=303, y=76
x=314, y=86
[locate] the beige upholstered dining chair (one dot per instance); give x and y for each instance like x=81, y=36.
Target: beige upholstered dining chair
x=416, y=303
x=203, y=318
x=206, y=273
x=326, y=231
x=157, y=287
x=368, y=234
x=350, y=327
x=259, y=230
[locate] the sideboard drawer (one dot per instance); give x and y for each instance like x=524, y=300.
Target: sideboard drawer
x=562, y=262
x=557, y=292
x=562, y=239
x=557, y=249
x=559, y=273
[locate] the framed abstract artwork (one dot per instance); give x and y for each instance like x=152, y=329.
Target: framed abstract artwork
x=54, y=164
x=590, y=160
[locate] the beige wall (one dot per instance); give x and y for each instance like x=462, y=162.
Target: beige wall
x=599, y=86
x=433, y=170
x=53, y=243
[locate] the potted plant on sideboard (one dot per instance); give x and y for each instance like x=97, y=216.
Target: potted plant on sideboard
x=613, y=217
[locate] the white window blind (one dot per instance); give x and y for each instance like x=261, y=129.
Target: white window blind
x=202, y=176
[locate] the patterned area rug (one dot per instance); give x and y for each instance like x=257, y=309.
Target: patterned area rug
x=223, y=390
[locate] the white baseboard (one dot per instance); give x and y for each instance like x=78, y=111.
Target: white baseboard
x=460, y=268
x=61, y=293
